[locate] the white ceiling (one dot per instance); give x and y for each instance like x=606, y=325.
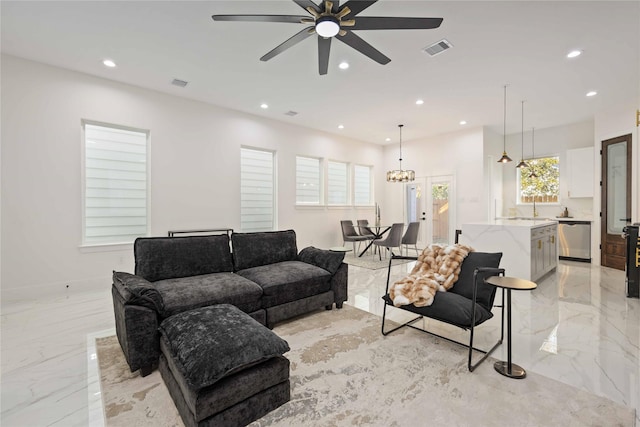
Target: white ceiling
x=522, y=44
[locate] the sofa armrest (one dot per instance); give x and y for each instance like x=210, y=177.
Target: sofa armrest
x=328, y=260
x=136, y=290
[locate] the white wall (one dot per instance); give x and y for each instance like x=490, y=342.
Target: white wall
x=459, y=154
x=553, y=141
x=195, y=158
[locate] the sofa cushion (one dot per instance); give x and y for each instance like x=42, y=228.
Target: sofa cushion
x=159, y=258
x=328, y=260
x=256, y=249
x=138, y=291
x=209, y=343
x=187, y=293
x=450, y=308
x=288, y=281
x=464, y=286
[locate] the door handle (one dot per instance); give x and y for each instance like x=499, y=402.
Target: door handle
x=423, y=218
x=625, y=219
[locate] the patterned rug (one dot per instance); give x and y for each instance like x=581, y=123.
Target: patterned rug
x=345, y=373
x=371, y=262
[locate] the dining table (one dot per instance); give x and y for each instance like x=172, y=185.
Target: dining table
x=378, y=232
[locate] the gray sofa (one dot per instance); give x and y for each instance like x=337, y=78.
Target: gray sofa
x=264, y=276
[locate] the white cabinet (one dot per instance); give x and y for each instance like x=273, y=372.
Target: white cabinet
x=580, y=173
x=544, y=253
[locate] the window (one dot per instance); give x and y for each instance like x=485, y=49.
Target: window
x=543, y=186
x=115, y=184
x=257, y=190
x=362, y=185
x=337, y=188
x=307, y=181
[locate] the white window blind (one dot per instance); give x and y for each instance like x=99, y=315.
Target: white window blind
x=115, y=193
x=362, y=185
x=256, y=190
x=337, y=187
x=307, y=181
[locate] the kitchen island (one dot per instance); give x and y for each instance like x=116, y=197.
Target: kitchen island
x=529, y=247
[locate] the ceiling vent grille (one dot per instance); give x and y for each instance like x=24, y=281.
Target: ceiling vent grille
x=179, y=83
x=438, y=47
x=291, y=113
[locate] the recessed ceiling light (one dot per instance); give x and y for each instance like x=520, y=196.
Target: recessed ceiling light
x=574, y=53
x=343, y=65
x=419, y=102
x=388, y=139
x=592, y=93
x=109, y=63
x=264, y=106
x=340, y=126
x=463, y=122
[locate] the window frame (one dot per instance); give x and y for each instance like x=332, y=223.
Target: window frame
x=347, y=184
x=519, y=201
x=353, y=185
x=320, y=201
x=274, y=177
x=91, y=246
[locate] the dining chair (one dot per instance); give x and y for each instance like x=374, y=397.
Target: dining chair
x=393, y=239
x=411, y=237
x=349, y=234
x=365, y=230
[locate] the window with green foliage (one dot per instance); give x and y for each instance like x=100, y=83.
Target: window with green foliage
x=539, y=181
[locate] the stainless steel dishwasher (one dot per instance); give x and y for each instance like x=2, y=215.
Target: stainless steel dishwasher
x=574, y=238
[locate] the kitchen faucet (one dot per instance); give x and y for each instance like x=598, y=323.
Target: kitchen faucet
x=535, y=212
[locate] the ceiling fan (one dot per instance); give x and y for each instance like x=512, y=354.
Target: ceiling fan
x=329, y=20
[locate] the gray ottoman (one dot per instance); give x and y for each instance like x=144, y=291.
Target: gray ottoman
x=222, y=367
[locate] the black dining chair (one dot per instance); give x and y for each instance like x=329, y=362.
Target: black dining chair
x=393, y=239
x=349, y=234
x=411, y=237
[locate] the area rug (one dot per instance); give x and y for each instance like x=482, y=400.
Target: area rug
x=345, y=373
x=371, y=262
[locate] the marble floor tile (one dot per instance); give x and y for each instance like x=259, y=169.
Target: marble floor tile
x=576, y=327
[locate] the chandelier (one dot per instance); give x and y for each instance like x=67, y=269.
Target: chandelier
x=400, y=175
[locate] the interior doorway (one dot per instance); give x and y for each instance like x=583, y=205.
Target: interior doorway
x=430, y=200
x=615, y=200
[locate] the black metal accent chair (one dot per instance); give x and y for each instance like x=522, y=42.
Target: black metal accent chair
x=411, y=237
x=392, y=240
x=470, y=298
x=349, y=234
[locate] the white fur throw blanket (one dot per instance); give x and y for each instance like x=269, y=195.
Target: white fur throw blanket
x=437, y=269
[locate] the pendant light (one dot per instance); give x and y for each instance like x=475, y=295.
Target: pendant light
x=522, y=163
x=401, y=175
x=504, y=158
x=533, y=153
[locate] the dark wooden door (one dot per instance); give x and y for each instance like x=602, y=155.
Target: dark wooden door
x=616, y=200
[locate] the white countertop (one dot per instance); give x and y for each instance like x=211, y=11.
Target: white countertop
x=559, y=219
x=527, y=223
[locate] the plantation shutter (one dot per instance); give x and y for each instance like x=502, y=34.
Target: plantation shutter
x=115, y=190
x=307, y=181
x=256, y=190
x=362, y=185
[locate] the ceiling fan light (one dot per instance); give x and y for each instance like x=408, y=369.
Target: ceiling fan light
x=327, y=26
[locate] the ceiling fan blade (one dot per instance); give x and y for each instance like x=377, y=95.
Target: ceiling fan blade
x=307, y=3
x=394, y=23
x=358, y=6
x=297, y=38
x=292, y=19
x=324, y=47
x=363, y=47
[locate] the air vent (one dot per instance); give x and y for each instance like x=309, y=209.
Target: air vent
x=179, y=83
x=438, y=47
x=291, y=113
